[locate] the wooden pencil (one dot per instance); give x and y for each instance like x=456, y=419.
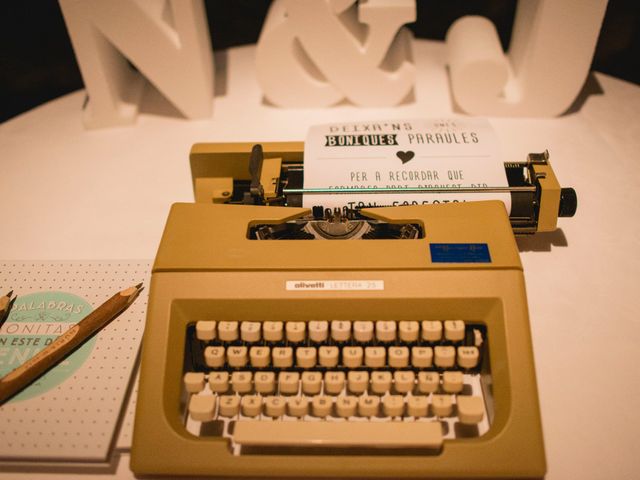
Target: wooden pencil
x=16, y=380
x=6, y=302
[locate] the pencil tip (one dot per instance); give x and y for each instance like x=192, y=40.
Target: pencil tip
x=10, y=293
x=139, y=285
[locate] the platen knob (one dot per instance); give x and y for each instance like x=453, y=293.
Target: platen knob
x=568, y=202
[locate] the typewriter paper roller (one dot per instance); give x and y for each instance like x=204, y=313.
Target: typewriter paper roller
x=226, y=172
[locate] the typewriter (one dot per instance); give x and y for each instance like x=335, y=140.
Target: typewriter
x=376, y=342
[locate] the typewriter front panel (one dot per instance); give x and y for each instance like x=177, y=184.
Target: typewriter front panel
x=506, y=441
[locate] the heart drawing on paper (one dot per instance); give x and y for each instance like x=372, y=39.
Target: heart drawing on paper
x=405, y=156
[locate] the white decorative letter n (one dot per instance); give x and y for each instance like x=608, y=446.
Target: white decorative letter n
x=167, y=41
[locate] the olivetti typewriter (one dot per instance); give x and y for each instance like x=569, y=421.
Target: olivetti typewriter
x=286, y=341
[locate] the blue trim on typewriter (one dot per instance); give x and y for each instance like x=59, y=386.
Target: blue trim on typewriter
x=460, y=253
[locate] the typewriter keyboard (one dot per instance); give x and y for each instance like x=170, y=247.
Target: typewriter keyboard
x=338, y=384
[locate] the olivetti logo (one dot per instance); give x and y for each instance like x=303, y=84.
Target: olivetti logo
x=310, y=285
x=405, y=156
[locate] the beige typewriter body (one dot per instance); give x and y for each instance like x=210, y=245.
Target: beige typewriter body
x=208, y=270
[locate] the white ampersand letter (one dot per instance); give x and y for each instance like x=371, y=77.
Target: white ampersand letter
x=316, y=53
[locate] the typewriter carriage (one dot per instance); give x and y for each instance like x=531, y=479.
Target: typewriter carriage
x=238, y=173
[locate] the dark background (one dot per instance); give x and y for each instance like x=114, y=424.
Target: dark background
x=37, y=62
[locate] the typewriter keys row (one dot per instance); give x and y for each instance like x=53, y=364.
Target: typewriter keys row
x=319, y=331
x=441, y=356
x=331, y=383
x=469, y=409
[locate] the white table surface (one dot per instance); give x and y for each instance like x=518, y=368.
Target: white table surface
x=67, y=193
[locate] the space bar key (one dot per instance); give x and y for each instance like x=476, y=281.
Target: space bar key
x=338, y=434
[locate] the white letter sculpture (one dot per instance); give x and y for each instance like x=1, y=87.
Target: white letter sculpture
x=168, y=42
x=316, y=53
x=549, y=57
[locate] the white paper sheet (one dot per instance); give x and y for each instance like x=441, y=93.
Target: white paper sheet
x=75, y=419
x=396, y=154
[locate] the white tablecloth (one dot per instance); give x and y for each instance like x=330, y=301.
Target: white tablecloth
x=67, y=193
